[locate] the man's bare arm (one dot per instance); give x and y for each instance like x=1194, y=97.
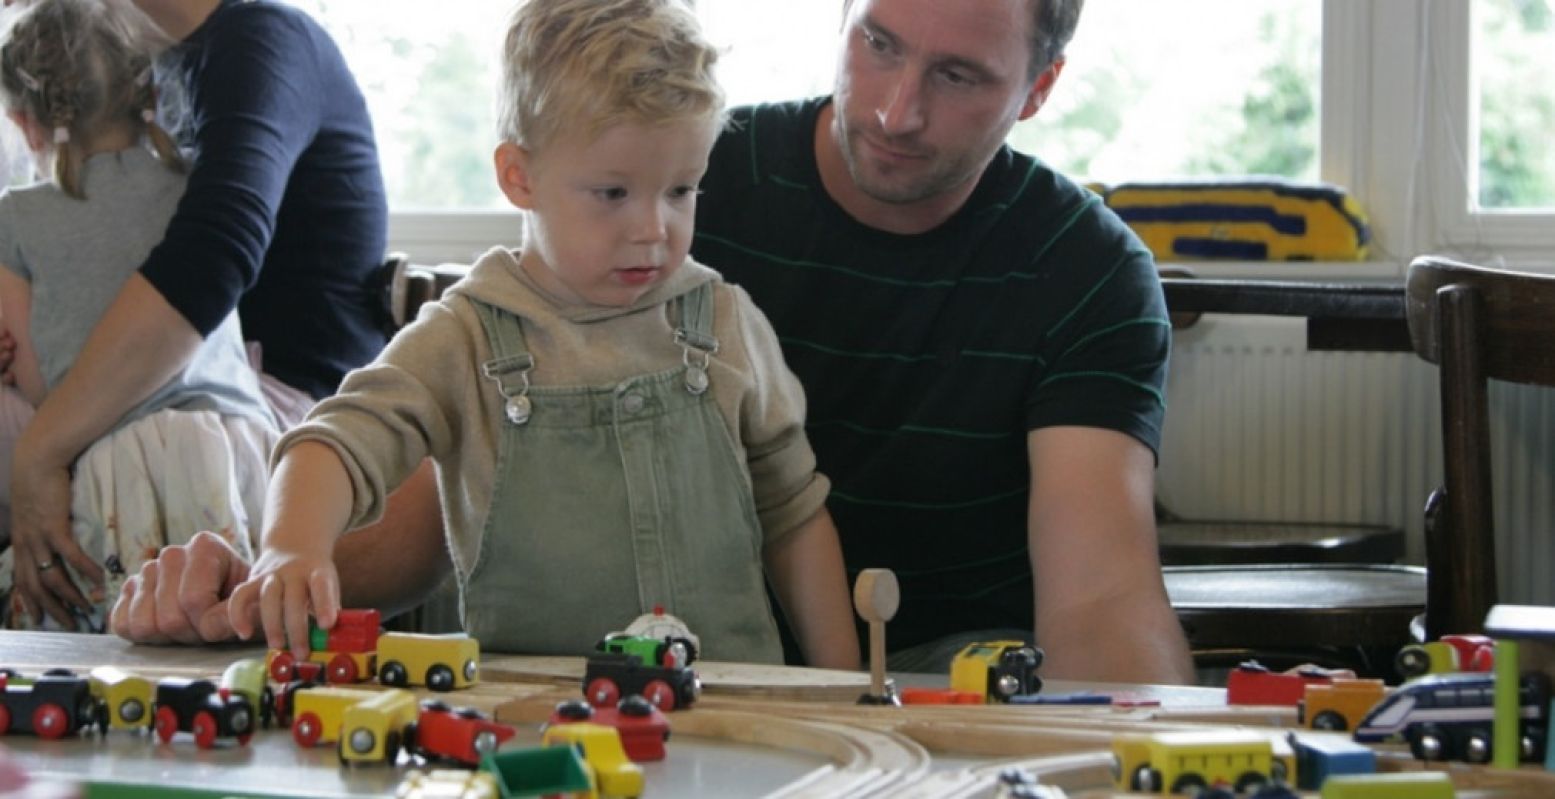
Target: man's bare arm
x=1102, y=612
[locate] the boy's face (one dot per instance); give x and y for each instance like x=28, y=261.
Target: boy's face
x=609, y=218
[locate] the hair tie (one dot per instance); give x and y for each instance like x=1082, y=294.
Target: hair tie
x=143, y=79
x=61, y=135
x=148, y=115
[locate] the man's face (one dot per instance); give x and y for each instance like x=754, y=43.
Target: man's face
x=927, y=90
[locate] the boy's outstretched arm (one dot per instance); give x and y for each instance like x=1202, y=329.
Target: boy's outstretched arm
x=306, y=509
x=805, y=567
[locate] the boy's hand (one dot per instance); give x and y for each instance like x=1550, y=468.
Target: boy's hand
x=281, y=591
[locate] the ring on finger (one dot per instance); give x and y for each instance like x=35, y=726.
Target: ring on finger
x=45, y=566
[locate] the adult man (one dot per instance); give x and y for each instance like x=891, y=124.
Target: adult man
x=982, y=343
x=285, y=212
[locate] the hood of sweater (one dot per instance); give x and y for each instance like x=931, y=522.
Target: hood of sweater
x=497, y=279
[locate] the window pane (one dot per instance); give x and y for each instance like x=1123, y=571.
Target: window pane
x=430, y=73
x=1191, y=89
x=1514, y=61
x=1152, y=90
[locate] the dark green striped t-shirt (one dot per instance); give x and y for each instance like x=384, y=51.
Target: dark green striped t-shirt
x=927, y=358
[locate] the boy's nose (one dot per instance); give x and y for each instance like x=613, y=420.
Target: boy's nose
x=651, y=226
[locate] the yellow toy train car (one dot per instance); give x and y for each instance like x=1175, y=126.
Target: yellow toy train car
x=440, y=662
x=1251, y=220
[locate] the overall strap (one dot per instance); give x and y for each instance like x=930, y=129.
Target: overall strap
x=694, y=309
x=510, y=363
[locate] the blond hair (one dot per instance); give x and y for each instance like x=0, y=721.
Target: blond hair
x=79, y=67
x=576, y=67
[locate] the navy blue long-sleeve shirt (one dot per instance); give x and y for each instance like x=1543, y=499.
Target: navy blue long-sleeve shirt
x=285, y=216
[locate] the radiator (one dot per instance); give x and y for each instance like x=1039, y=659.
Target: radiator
x=1258, y=428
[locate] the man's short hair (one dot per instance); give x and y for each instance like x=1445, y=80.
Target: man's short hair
x=1053, y=24
x=576, y=67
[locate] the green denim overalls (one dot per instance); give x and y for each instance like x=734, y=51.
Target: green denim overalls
x=612, y=500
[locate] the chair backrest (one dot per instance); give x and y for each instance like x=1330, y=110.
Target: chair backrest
x=408, y=286
x=1477, y=325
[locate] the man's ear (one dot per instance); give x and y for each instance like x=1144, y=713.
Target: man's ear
x=1041, y=87
x=514, y=174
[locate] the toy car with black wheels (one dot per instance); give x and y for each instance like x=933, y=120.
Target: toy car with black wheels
x=609, y=676
x=464, y=734
x=997, y=670
x=440, y=662
x=201, y=708
x=51, y=706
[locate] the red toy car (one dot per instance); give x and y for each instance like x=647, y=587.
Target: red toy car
x=643, y=727
x=1252, y=683
x=464, y=734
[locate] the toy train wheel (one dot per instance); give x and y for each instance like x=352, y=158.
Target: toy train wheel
x=391, y=747
x=283, y=667
x=1250, y=781
x=50, y=721
x=1278, y=772
x=1145, y=780
x=393, y=673
x=1531, y=746
x=266, y=707
x=1412, y=661
x=1476, y=747
x=485, y=743
x=660, y=694
x=1329, y=720
x=1427, y=744
x=342, y=669
x=602, y=692
x=440, y=678
x=307, y=730
x=5, y=719
x=204, y=729
x=167, y=723
x=1189, y=784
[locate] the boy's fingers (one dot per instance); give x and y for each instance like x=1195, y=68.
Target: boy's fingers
x=270, y=597
x=325, y=589
x=295, y=609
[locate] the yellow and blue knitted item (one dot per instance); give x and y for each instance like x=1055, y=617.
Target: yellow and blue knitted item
x=1257, y=220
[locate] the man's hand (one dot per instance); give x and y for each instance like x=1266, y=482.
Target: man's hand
x=41, y=537
x=181, y=597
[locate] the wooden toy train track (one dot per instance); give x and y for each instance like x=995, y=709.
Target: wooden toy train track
x=917, y=752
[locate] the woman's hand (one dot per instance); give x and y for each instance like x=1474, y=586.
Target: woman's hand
x=43, y=544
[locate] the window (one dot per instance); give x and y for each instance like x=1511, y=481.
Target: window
x=1513, y=63
x=1394, y=99
x=1238, y=97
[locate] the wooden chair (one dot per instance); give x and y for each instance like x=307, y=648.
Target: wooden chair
x=407, y=286
x=1477, y=325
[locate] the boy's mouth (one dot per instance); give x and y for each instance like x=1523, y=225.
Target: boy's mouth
x=637, y=275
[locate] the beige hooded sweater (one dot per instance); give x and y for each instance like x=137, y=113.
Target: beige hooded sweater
x=424, y=396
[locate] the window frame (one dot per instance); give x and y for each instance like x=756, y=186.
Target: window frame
x=1393, y=71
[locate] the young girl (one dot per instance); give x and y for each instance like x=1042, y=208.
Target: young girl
x=75, y=80
x=613, y=426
